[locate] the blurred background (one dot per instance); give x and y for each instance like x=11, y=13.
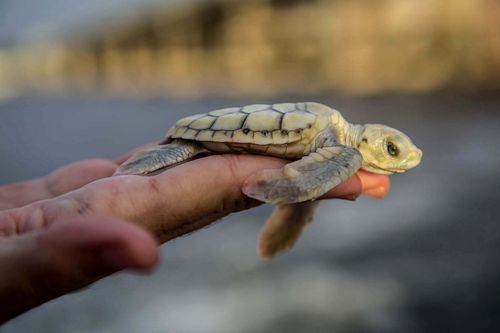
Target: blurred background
x=83, y=79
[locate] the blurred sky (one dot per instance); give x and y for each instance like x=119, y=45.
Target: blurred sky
x=25, y=20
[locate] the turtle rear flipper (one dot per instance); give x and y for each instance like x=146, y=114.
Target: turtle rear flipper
x=284, y=227
x=159, y=157
x=305, y=179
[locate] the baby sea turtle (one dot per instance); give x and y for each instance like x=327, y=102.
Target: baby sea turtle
x=326, y=148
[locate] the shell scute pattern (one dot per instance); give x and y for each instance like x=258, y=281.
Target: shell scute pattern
x=184, y=122
x=221, y=112
x=219, y=136
x=316, y=108
x=206, y=135
x=284, y=107
x=297, y=120
x=190, y=133
x=263, y=138
x=267, y=120
x=259, y=124
x=229, y=122
x=203, y=122
x=280, y=137
x=254, y=107
x=302, y=106
x=242, y=136
x=295, y=135
x=178, y=131
x=294, y=150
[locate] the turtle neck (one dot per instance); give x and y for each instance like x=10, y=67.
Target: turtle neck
x=353, y=135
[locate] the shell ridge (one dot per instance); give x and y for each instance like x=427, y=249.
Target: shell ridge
x=193, y=118
x=242, y=125
x=281, y=121
x=307, y=109
x=212, y=124
x=274, y=108
x=206, y=117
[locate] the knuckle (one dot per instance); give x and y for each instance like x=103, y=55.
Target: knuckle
x=9, y=222
x=21, y=220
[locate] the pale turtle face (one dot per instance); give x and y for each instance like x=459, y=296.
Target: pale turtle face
x=386, y=150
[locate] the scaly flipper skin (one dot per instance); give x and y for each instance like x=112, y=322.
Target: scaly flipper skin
x=159, y=157
x=305, y=179
x=284, y=227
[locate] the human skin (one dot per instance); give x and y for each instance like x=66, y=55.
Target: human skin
x=77, y=225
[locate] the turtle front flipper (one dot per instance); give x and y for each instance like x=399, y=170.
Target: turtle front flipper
x=159, y=157
x=305, y=179
x=284, y=227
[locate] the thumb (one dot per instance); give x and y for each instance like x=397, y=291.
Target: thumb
x=42, y=265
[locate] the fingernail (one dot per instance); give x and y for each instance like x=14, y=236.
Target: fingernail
x=377, y=192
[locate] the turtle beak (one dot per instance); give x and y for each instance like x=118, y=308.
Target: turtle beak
x=413, y=159
x=419, y=154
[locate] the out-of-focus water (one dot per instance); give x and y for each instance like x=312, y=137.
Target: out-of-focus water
x=425, y=259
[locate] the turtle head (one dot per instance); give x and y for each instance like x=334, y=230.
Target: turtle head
x=386, y=150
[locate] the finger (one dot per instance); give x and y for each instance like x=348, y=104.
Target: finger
x=373, y=185
x=42, y=265
x=60, y=181
x=22, y=193
x=170, y=204
x=362, y=182
x=75, y=175
x=180, y=199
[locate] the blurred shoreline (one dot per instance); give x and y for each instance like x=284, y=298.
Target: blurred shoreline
x=268, y=47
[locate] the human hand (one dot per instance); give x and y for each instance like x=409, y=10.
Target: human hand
x=70, y=228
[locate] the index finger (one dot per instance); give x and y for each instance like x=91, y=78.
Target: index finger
x=170, y=204
x=363, y=182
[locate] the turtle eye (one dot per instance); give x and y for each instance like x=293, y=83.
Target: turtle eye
x=392, y=149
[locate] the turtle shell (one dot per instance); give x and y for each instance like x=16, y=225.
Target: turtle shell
x=260, y=124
